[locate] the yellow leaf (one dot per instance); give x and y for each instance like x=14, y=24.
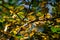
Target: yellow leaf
x=22, y=39
x=31, y=18
x=17, y=29
x=31, y=34
x=57, y=26
x=48, y=16
x=14, y=32
x=58, y=20
x=21, y=7
x=14, y=16
x=21, y=13
x=30, y=13
x=26, y=35
x=41, y=17
x=11, y=12
x=11, y=7
x=22, y=32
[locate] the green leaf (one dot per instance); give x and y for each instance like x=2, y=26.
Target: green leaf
x=2, y=20
x=6, y=5
x=39, y=14
x=11, y=1
x=0, y=2
x=19, y=36
x=21, y=14
x=55, y=30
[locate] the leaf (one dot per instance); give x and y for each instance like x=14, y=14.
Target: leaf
x=6, y=5
x=0, y=2
x=31, y=18
x=18, y=36
x=55, y=30
x=2, y=20
x=11, y=2
x=31, y=34
x=39, y=14
x=19, y=7
x=21, y=14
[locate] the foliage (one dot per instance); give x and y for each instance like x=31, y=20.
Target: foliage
x=29, y=19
